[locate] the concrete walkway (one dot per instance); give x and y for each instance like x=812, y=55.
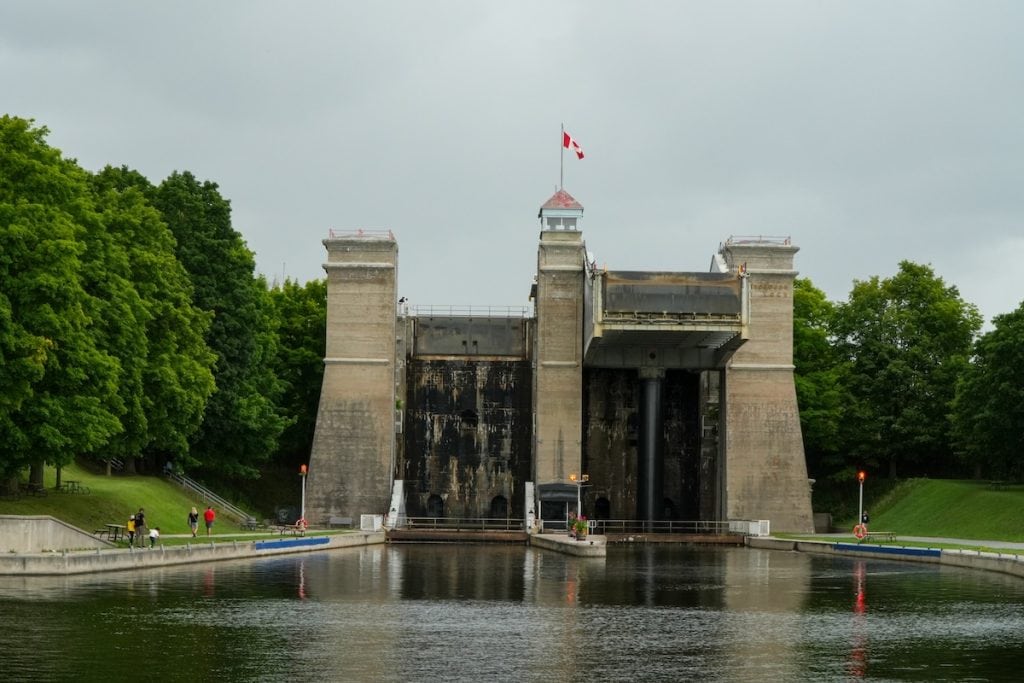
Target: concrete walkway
x=972, y=542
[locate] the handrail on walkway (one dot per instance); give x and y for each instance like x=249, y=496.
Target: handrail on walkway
x=207, y=496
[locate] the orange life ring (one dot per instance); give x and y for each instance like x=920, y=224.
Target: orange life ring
x=860, y=531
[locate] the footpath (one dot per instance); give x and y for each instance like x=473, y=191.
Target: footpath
x=204, y=549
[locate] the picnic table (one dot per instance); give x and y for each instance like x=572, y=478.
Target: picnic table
x=73, y=486
x=115, y=532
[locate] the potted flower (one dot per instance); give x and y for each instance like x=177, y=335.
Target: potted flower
x=579, y=527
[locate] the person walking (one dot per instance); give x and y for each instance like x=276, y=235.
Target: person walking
x=864, y=519
x=130, y=530
x=154, y=536
x=208, y=517
x=140, y=527
x=193, y=521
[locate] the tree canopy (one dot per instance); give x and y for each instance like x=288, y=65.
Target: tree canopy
x=988, y=412
x=906, y=340
x=59, y=369
x=241, y=423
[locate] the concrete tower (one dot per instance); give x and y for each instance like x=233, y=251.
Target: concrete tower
x=352, y=463
x=766, y=472
x=558, y=362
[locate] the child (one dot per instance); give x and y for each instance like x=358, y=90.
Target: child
x=130, y=529
x=154, y=536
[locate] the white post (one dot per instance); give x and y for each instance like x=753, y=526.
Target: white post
x=302, y=505
x=860, y=508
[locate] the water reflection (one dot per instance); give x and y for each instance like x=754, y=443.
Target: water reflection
x=400, y=613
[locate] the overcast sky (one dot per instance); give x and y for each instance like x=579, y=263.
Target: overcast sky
x=867, y=131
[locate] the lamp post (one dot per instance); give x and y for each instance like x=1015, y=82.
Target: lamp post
x=302, y=508
x=861, y=476
x=579, y=481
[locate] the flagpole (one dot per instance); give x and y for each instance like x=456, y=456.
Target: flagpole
x=561, y=159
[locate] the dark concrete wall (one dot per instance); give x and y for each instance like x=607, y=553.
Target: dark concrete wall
x=467, y=435
x=610, y=433
x=472, y=336
x=717, y=293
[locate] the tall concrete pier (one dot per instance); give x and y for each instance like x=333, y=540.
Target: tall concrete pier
x=558, y=362
x=767, y=472
x=352, y=463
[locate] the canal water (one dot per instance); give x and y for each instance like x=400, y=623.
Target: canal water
x=502, y=613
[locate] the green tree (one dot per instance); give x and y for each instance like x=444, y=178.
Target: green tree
x=907, y=339
x=819, y=378
x=58, y=384
x=988, y=412
x=173, y=373
x=301, y=311
x=241, y=423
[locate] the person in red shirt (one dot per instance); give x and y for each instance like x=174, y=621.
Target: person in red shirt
x=209, y=516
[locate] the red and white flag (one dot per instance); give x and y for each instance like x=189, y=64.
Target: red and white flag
x=569, y=143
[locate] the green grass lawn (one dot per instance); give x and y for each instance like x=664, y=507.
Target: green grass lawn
x=113, y=499
x=951, y=508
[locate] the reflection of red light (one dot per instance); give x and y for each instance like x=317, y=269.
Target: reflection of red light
x=858, y=665
x=302, y=580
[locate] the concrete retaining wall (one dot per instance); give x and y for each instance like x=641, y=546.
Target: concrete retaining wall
x=970, y=559
x=36, y=533
x=594, y=546
x=83, y=562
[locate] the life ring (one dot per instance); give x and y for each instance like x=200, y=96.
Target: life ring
x=301, y=524
x=860, y=531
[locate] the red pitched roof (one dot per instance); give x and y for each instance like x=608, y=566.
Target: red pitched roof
x=561, y=200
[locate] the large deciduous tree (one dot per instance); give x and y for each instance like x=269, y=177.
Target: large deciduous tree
x=174, y=377
x=301, y=311
x=988, y=413
x=818, y=375
x=58, y=381
x=907, y=339
x=241, y=423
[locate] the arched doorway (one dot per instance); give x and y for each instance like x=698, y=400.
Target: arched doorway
x=435, y=506
x=499, y=508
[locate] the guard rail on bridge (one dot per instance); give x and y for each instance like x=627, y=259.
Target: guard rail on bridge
x=467, y=524
x=636, y=526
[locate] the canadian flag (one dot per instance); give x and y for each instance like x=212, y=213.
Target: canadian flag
x=569, y=143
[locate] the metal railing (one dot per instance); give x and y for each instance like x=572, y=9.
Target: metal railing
x=466, y=524
x=208, y=497
x=426, y=310
x=637, y=526
x=379, y=233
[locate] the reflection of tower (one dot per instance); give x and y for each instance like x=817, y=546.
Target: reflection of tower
x=768, y=582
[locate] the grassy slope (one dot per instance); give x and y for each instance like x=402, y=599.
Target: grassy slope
x=112, y=500
x=952, y=508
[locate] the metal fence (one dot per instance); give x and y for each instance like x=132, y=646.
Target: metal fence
x=637, y=526
x=467, y=524
x=597, y=526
